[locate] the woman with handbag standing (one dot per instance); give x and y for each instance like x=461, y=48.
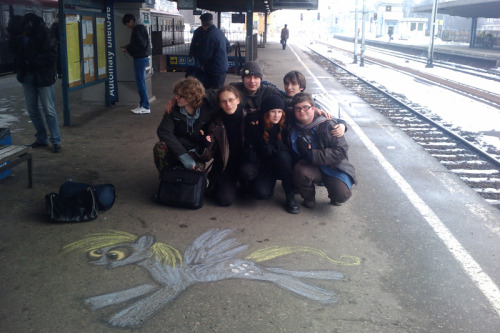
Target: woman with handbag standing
x=182, y=130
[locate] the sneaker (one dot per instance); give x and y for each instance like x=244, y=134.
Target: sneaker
x=309, y=203
x=141, y=110
x=136, y=109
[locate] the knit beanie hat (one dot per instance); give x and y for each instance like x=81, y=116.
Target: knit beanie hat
x=207, y=17
x=272, y=102
x=251, y=68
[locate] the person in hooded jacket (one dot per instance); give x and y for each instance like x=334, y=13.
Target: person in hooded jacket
x=322, y=157
x=182, y=131
x=140, y=49
x=36, y=56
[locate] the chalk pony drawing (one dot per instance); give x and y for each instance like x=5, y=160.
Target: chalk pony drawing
x=211, y=257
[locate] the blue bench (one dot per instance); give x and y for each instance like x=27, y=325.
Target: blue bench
x=15, y=155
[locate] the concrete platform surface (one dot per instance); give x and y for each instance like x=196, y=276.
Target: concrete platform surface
x=414, y=249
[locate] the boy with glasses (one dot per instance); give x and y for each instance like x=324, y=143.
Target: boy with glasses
x=322, y=157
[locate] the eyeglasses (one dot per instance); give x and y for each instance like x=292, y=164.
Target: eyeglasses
x=304, y=108
x=179, y=95
x=226, y=101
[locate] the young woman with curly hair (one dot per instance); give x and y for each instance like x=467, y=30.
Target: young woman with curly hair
x=182, y=130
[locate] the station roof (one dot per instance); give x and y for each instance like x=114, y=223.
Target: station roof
x=465, y=8
x=259, y=5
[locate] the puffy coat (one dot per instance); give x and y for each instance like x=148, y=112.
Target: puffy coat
x=174, y=131
x=330, y=151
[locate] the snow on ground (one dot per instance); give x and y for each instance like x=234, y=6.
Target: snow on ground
x=461, y=112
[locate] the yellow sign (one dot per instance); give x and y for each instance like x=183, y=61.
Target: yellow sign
x=73, y=49
x=173, y=61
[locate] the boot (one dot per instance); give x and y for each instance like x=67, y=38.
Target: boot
x=291, y=206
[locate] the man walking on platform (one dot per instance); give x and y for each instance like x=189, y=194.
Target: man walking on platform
x=284, y=36
x=209, y=47
x=140, y=49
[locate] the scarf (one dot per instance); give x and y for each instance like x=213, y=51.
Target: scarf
x=190, y=119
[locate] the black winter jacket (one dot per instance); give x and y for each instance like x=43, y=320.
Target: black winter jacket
x=173, y=129
x=139, y=46
x=38, y=56
x=210, y=48
x=330, y=150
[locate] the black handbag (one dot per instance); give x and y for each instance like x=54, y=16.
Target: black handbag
x=180, y=187
x=105, y=193
x=80, y=207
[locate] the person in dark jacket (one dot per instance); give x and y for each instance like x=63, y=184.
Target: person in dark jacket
x=140, y=49
x=209, y=47
x=270, y=139
x=226, y=136
x=182, y=131
x=323, y=157
x=284, y=36
x=36, y=56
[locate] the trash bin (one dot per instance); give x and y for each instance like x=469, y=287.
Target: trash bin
x=5, y=139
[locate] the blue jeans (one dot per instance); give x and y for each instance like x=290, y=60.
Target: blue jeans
x=140, y=65
x=46, y=94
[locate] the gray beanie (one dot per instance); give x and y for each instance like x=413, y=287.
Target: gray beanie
x=251, y=68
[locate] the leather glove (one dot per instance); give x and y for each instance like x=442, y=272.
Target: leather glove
x=187, y=161
x=268, y=149
x=280, y=145
x=203, y=142
x=303, y=144
x=249, y=154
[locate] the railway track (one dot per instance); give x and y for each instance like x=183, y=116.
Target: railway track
x=477, y=168
x=480, y=95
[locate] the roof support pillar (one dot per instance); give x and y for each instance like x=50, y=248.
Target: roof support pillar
x=472, y=41
x=249, y=39
x=433, y=32
x=265, y=28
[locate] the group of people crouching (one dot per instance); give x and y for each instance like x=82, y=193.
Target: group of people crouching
x=256, y=136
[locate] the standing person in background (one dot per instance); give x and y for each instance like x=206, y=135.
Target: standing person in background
x=284, y=36
x=36, y=57
x=209, y=47
x=140, y=49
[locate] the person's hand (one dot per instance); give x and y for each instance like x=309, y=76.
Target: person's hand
x=323, y=113
x=170, y=105
x=280, y=145
x=187, y=161
x=338, y=130
x=303, y=145
x=204, y=141
x=268, y=149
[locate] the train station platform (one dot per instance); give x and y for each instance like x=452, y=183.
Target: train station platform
x=414, y=249
x=447, y=52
